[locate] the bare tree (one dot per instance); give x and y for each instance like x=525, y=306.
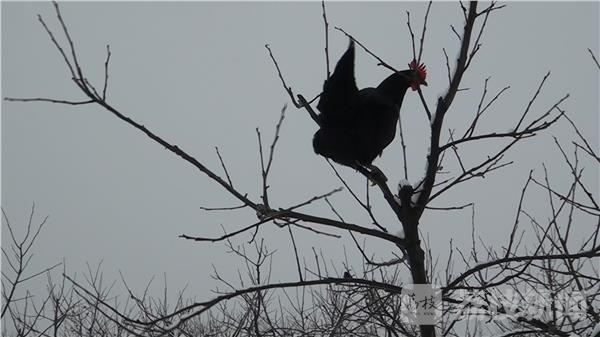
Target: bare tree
x=18, y=302
x=320, y=301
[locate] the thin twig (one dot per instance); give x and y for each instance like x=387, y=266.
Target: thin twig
x=315, y=198
x=403, y=146
x=310, y=229
x=285, y=86
x=276, y=137
x=263, y=172
x=326, y=24
x=476, y=44
x=50, y=100
x=447, y=65
x=222, y=208
x=588, y=148
x=412, y=35
x=381, y=62
x=533, y=99
x=594, y=58
x=296, y=254
x=58, y=47
x=450, y=208
x=422, y=42
x=69, y=40
x=106, y=72
x=223, y=166
x=455, y=32
x=301, y=102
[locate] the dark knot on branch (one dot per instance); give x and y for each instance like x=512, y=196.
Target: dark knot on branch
x=405, y=192
x=263, y=212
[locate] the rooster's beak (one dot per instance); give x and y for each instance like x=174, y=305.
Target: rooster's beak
x=424, y=83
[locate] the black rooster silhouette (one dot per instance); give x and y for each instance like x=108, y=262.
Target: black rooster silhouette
x=357, y=125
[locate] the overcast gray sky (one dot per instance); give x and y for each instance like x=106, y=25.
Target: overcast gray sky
x=197, y=73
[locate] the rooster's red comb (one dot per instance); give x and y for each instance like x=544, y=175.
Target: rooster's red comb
x=420, y=69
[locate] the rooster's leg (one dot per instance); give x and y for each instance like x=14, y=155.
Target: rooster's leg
x=372, y=172
x=377, y=174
